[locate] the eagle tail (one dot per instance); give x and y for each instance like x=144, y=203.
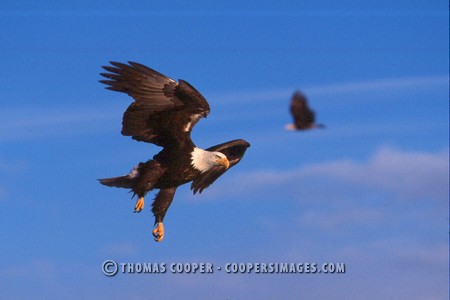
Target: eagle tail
x=120, y=182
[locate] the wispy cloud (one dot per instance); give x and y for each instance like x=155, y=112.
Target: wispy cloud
x=37, y=122
x=345, y=217
x=41, y=271
x=12, y=168
x=120, y=249
x=423, y=256
x=380, y=85
x=405, y=173
x=219, y=13
x=376, y=85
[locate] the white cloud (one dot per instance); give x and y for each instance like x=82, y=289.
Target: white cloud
x=423, y=256
x=37, y=122
x=42, y=271
x=120, y=249
x=11, y=169
x=31, y=122
x=376, y=85
x=408, y=174
x=379, y=85
x=344, y=216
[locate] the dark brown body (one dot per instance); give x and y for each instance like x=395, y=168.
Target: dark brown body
x=303, y=116
x=167, y=171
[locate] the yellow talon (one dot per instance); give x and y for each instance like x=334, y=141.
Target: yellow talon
x=139, y=205
x=158, y=232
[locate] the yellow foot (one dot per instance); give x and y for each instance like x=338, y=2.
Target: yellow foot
x=158, y=232
x=139, y=205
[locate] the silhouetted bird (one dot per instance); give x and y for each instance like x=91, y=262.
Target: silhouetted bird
x=304, y=117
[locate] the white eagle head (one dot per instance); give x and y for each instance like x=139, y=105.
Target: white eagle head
x=203, y=160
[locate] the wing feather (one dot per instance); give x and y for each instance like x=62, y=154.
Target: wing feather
x=163, y=112
x=205, y=179
x=234, y=151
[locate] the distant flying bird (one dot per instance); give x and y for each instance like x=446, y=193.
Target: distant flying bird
x=163, y=113
x=304, y=117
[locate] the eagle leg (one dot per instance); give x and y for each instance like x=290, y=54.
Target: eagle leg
x=160, y=206
x=158, y=232
x=139, y=205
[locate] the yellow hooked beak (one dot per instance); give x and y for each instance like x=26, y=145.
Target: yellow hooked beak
x=224, y=162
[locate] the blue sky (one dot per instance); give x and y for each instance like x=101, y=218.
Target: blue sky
x=370, y=191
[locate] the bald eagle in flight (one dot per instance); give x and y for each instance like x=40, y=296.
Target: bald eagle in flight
x=304, y=117
x=163, y=113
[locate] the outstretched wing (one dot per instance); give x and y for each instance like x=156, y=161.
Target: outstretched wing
x=302, y=114
x=234, y=151
x=163, y=112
